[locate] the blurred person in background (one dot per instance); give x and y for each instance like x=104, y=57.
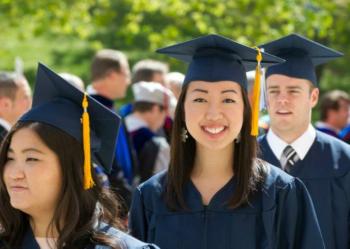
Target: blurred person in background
x=15, y=99
x=150, y=107
x=345, y=133
x=110, y=75
x=74, y=80
x=174, y=82
x=150, y=71
x=334, y=112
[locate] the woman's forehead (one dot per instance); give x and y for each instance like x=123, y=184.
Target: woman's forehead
x=213, y=86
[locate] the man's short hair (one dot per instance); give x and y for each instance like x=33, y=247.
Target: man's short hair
x=331, y=101
x=144, y=70
x=144, y=106
x=105, y=61
x=9, y=84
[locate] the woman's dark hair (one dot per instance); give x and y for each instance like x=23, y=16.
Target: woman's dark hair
x=248, y=173
x=76, y=206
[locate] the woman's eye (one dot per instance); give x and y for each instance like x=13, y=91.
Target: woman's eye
x=229, y=101
x=32, y=159
x=9, y=158
x=199, y=100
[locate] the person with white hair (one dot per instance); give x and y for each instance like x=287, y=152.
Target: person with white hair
x=174, y=82
x=151, y=105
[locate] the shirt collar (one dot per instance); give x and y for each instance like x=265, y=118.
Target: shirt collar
x=301, y=145
x=5, y=124
x=134, y=123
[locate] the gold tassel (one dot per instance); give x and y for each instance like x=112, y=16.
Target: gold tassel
x=88, y=181
x=256, y=97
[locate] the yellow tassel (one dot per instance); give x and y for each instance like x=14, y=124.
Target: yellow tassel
x=88, y=181
x=256, y=97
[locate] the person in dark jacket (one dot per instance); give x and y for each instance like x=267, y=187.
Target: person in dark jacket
x=321, y=161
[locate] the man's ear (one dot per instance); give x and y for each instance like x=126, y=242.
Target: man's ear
x=314, y=95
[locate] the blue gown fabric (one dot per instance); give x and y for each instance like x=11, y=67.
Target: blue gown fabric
x=325, y=171
x=125, y=241
x=280, y=215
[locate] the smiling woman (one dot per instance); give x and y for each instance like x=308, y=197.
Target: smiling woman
x=214, y=113
x=216, y=193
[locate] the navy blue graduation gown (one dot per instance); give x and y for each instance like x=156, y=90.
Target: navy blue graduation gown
x=325, y=170
x=125, y=241
x=279, y=216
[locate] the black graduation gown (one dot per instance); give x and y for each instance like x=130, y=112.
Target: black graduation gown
x=325, y=170
x=147, y=151
x=126, y=241
x=3, y=133
x=280, y=215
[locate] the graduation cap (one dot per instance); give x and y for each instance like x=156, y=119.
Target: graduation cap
x=60, y=104
x=217, y=58
x=301, y=55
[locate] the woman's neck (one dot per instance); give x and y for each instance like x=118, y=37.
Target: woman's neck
x=213, y=163
x=40, y=225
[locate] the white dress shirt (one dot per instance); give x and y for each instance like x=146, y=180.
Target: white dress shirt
x=5, y=124
x=301, y=145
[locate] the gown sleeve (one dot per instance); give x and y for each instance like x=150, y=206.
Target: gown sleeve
x=137, y=217
x=296, y=224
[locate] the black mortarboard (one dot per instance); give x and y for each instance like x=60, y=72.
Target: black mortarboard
x=58, y=103
x=217, y=58
x=301, y=55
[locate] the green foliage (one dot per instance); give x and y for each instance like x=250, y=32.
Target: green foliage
x=66, y=33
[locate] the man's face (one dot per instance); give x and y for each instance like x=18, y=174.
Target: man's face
x=341, y=115
x=119, y=82
x=22, y=101
x=290, y=101
x=159, y=77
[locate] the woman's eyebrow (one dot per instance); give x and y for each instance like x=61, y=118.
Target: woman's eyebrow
x=199, y=90
x=229, y=91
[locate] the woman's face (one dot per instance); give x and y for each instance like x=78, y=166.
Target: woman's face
x=32, y=174
x=214, y=112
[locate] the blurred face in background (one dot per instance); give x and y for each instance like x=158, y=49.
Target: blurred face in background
x=119, y=82
x=156, y=117
x=23, y=100
x=341, y=115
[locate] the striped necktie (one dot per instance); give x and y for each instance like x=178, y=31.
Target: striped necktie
x=289, y=158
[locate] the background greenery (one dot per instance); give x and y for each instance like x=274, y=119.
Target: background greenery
x=65, y=34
